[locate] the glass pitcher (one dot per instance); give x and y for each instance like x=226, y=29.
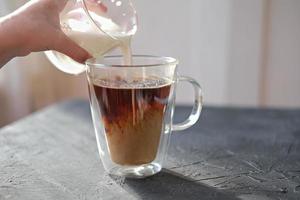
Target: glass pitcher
x=98, y=26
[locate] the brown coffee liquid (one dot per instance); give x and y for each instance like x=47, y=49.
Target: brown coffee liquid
x=132, y=115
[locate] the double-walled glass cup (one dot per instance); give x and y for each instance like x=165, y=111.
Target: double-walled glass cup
x=132, y=108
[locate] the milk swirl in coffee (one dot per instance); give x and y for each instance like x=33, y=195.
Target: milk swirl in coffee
x=132, y=115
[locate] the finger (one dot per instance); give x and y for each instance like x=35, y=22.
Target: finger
x=68, y=47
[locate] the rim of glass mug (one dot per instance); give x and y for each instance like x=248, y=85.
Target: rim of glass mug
x=161, y=61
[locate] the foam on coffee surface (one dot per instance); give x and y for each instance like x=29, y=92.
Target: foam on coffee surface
x=117, y=82
x=132, y=113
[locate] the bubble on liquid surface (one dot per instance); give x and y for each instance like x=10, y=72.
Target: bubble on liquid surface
x=118, y=82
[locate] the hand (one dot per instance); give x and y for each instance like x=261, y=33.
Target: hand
x=36, y=27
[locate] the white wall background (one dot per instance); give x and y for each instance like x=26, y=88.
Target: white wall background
x=283, y=71
x=243, y=52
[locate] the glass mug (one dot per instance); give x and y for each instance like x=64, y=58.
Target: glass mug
x=97, y=26
x=132, y=109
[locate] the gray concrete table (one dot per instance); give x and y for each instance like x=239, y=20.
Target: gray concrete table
x=229, y=154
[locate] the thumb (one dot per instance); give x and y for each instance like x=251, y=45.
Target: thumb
x=68, y=47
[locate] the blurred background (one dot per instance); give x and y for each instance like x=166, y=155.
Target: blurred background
x=243, y=52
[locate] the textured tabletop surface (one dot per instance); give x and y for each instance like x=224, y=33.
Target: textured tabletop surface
x=231, y=153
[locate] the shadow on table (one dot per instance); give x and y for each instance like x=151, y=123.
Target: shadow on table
x=171, y=185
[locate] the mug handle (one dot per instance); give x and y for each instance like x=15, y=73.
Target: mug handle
x=198, y=103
